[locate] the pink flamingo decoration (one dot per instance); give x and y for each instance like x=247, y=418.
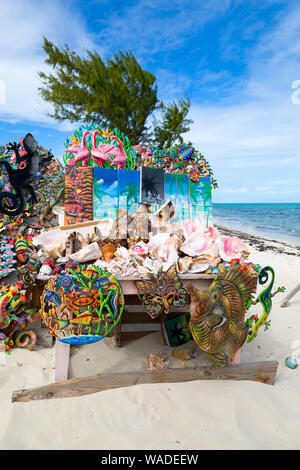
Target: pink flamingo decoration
x=100, y=153
x=82, y=152
x=120, y=155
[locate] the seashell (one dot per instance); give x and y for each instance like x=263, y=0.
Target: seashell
x=122, y=254
x=199, y=264
x=183, y=264
x=108, y=250
x=88, y=253
x=231, y=248
x=140, y=248
x=190, y=226
x=196, y=244
x=212, y=232
x=291, y=362
x=46, y=270
x=157, y=362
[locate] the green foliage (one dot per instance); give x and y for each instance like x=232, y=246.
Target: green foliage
x=174, y=122
x=117, y=93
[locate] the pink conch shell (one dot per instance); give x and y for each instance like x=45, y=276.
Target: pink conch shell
x=212, y=232
x=190, y=226
x=196, y=244
x=140, y=248
x=231, y=248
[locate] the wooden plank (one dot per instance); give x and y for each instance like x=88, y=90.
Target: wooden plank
x=128, y=336
x=62, y=358
x=199, y=281
x=264, y=372
x=293, y=292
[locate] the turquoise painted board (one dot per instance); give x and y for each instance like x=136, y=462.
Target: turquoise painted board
x=105, y=193
x=200, y=200
x=170, y=187
x=129, y=184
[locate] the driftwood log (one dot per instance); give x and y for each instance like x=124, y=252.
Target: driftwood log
x=291, y=294
x=264, y=372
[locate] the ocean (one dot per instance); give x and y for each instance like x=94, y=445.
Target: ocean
x=278, y=221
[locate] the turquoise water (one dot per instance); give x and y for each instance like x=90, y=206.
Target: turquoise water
x=279, y=221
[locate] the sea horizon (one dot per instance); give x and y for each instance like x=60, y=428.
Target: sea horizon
x=273, y=220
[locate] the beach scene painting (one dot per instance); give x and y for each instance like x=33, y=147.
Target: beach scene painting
x=200, y=200
x=105, y=193
x=152, y=186
x=129, y=188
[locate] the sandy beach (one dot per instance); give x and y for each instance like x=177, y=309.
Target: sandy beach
x=194, y=415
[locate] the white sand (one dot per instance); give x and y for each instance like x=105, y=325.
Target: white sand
x=194, y=415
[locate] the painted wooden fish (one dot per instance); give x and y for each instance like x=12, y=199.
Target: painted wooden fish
x=217, y=314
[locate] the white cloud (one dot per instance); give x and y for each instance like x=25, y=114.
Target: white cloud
x=22, y=26
x=253, y=137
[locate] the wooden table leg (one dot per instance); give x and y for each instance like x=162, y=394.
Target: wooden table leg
x=62, y=357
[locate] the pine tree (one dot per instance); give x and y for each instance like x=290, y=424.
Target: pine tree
x=168, y=131
x=116, y=93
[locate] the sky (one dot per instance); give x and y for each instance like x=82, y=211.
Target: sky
x=238, y=61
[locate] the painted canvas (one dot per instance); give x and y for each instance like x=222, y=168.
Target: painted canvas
x=200, y=199
x=152, y=186
x=181, y=204
x=129, y=182
x=78, y=195
x=177, y=331
x=170, y=187
x=105, y=193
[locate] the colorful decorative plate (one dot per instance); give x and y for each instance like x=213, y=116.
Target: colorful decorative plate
x=82, y=305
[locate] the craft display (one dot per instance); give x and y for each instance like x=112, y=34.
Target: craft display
x=265, y=299
x=217, y=316
x=78, y=195
x=183, y=159
x=153, y=210
x=94, y=146
x=82, y=305
x=159, y=293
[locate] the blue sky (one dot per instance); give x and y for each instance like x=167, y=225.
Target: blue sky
x=236, y=59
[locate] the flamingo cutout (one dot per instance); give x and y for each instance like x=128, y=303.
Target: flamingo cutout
x=100, y=153
x=120, y=155
x=82, y=152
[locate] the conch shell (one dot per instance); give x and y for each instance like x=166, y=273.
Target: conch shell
x=88, y=253
x=231, y=248
x=197, y=244
x=108, y=251
x=140, y=248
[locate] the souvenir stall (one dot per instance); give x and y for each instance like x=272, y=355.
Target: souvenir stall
x=137, y=252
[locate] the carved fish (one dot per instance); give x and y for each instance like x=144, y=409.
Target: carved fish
x=217, y=314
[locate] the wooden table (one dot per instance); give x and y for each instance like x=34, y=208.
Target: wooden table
x=264, y=372
x=134, y=323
